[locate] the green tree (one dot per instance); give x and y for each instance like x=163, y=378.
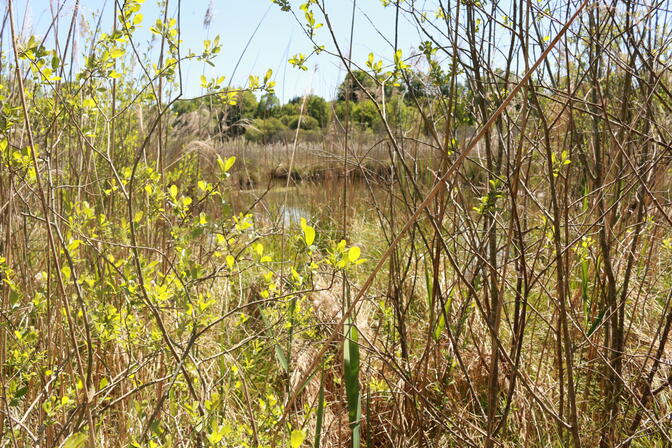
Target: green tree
x=233, y=119
x=352, y=84
x=316, y=107
x=267, y=103
x=366, y=115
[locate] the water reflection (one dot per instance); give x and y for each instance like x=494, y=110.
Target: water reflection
x=315, y=200
x=292, y=215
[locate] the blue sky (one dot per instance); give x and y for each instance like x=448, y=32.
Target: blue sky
x=279, y=37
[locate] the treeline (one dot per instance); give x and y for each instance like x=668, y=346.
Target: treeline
x=266, y=120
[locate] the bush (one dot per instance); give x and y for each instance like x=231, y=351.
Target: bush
x=366, y=115
x=307, y=122
x=265, y=130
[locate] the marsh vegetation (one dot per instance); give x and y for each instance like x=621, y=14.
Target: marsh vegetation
x=470, y=245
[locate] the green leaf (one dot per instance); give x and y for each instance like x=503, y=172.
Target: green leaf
x=429, y=284
x=279, y=353
x=320, y=414
x=597, y=322
x=21, y=392
x=282, y=359
x=442, y=319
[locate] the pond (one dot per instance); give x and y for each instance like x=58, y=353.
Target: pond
x=320, y=200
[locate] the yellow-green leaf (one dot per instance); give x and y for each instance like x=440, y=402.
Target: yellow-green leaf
x=76, y=441
x=74, y=244
x=117, y=52
x=229, y=163
x=225, y=166
x=353, y=253
x=308, y=232
x=297, y=438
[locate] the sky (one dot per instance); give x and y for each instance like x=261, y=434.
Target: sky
x=278, y=38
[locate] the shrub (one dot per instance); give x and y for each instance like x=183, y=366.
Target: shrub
x=307, y=122
x=265, y=130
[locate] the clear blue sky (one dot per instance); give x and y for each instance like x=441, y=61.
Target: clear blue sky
x=278, y=38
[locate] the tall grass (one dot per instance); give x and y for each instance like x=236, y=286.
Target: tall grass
x=505, y=283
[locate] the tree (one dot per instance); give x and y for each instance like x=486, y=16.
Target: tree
x=267, y=103
x=352, y=84
x=316, y=107
x=233, y=118
x=366, y=114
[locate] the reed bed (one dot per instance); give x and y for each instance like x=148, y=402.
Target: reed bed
x=499, y=282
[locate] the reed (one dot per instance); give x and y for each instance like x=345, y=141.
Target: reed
x=501, y=280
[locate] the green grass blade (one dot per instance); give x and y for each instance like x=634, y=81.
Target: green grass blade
x=280, y=356
x=351, y=376
x=596, y=323
x=320, y=414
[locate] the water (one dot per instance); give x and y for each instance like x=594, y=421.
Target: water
x=319, y=201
